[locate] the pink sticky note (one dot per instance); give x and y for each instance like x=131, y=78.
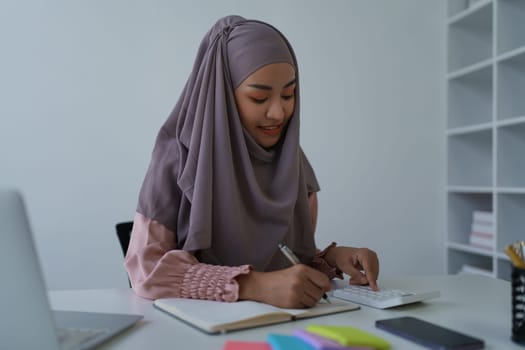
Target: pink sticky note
x=245, y=345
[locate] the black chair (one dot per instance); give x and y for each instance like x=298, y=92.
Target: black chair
x=124, y=235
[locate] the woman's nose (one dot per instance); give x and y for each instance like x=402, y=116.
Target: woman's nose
x=276, y=111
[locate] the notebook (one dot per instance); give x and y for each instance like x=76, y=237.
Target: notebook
x=26, y=321
x=219, y=317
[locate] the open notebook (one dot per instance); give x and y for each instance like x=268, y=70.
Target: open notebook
x=220, y=317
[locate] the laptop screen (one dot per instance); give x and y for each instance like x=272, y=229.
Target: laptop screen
x=27, y=321
x=23, y=297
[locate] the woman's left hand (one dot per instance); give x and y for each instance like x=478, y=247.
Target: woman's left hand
x=361, y=264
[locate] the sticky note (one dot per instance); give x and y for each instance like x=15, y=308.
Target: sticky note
x=349, y=336
x=245, y=345
x=322, y=343
x=287, y=342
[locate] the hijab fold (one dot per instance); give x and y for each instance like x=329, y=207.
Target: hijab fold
x=229, y=200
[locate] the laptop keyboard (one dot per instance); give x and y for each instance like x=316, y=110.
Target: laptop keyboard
x=382, y=299
x=73, y=338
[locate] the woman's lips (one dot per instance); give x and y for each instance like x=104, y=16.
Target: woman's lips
x=272, y=130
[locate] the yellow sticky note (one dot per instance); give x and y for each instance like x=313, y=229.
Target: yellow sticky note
x=349, y=336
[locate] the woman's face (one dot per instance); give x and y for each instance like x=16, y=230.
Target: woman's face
x=266, y=101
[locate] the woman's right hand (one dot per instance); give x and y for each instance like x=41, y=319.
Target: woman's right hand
x=299, y=286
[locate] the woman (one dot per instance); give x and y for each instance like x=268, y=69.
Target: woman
x=228, y=182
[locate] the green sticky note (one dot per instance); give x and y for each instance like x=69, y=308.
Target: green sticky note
x=349, y=336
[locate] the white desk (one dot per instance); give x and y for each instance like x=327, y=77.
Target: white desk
x=479, y=306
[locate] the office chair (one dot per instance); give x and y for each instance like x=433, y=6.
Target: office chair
x=124, y=235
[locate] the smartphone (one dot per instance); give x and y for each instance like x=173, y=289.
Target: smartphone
x=429, y=335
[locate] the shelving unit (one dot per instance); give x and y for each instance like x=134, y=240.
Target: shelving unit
x=485, y=134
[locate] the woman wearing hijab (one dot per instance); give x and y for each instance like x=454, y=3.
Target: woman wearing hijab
x=228, y=182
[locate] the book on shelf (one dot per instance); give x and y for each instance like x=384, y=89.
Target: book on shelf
x=479, y=216
x=474, y=270
x=482, y=228
x=482, y=241
x=220, y=317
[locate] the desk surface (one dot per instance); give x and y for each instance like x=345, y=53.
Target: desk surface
x=476, y=305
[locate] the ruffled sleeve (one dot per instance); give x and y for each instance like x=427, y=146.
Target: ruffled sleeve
x=157, y=269
x=320, y=263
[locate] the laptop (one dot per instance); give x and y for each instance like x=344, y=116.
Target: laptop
x=26, y=319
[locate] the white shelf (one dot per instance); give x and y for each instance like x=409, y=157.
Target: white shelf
x=469, y=189
x=485, y=135
x=511, y=121
x=511, y=219
x=511, y=86
x=511, y=155
x=511, y=190
x=502, y=256
x=470, y=37
x=511, y=54
x=469, y=129
x=511, y=20
x=460, y=257
x=470, y=249
x=470, y=69
x=459, y=9
x=470, y=159
x=470, y=98
x=460, y=208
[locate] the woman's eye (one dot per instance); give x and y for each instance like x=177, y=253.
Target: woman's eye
x=287, y=97
x=258, y=100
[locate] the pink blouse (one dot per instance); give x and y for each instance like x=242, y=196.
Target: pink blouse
x=157, y=269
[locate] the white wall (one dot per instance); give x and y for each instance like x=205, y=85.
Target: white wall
x=85, y=86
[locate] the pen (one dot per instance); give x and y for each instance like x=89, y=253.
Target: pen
x=294, y=260
x=514, y=258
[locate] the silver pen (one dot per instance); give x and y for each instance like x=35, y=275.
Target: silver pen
x=295, y=260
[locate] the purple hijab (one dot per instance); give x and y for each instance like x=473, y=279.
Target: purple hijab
x=229, y=200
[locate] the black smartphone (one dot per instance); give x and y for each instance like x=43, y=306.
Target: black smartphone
x=429, y=335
